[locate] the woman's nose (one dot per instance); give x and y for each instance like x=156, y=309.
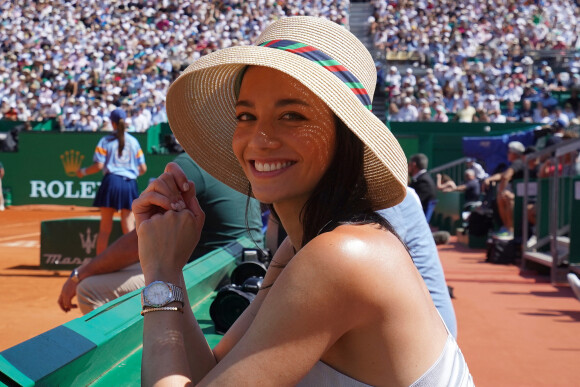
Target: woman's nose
x=265, y=137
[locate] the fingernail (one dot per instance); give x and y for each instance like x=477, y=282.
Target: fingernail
x=174, y=206
x=185, y=187
x=181, y=204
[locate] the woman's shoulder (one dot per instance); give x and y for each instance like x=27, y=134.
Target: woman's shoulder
x=357, y=254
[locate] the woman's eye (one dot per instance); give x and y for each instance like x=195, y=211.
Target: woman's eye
x=292, y=116
x=244, y=117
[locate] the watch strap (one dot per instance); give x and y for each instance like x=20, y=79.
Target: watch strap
x=161, y=309
x=74, y=275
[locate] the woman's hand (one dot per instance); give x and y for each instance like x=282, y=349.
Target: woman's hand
x=168, y=222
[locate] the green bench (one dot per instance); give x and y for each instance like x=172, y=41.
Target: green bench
x=104, y=347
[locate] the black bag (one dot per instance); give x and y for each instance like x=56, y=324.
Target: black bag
x=504, y=251
x=480, y=221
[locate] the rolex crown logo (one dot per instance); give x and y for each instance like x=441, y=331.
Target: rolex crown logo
x=71, y=161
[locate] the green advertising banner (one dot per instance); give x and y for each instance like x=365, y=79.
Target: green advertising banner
x=42, y=171
x=67, y=243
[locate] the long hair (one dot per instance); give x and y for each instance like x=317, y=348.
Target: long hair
x=120, y=134
x=340, y=197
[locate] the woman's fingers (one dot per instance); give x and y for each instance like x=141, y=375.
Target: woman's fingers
x=180, y=179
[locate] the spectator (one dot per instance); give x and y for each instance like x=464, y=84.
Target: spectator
x=440, y=115
x=422, y=182
x=510, y=112
x=466, y=113
x=470, y=187
x=526, y=112
x=480, y=174
x=408, y=112
x=505, y=194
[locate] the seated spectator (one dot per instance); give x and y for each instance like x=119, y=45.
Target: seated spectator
x=422, y=182
x=465, y=113
x=440, y=115
x=445, y=183
x=511, y=113
x=526, y=112
x=408, y=112
x=505, y=194
x=393, y=113
x=480, y=174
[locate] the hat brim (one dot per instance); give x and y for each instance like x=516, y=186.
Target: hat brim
x=201, y=113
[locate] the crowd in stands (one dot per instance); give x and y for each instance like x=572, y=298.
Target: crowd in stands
x=477, y=59
x=78, y=60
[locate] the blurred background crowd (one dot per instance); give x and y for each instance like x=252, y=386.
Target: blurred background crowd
x=77, y=60
x=486, y=61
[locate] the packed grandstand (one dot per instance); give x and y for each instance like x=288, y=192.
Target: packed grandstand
x=437, y=60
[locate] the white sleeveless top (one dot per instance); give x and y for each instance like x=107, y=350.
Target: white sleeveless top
x=450, y=369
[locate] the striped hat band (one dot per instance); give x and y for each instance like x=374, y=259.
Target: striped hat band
x=325, y=61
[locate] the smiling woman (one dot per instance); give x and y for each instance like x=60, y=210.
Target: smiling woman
x=342, y=304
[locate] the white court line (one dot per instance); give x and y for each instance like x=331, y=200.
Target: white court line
x=21, y=236
x=21, y=244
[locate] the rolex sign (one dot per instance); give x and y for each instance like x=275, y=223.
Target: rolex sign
x=67, y=243
x=43, y=171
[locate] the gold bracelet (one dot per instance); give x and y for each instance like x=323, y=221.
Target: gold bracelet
x=163, y=308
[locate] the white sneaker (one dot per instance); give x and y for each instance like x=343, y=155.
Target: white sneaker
x=574, y=282
x=2, y=208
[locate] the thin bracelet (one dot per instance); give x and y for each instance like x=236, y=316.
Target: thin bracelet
x=163, y=308
x=83, y=171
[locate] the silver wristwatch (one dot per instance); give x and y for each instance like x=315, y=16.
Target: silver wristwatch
x=74, y=275
x=159, y=293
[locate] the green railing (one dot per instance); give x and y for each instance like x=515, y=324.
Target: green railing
x=104, y=347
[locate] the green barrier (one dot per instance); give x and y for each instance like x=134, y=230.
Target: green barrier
x=104, y=346
x=447, y=213
x=43, y=170
x=8, y=125
x=443, y=142
x=67, y=243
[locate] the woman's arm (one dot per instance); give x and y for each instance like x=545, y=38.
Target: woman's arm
x=142, y=168
x=169, y=222
x=91, y=169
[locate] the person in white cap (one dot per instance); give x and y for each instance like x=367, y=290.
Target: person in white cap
x=408, y=112
x=342, y=302
x=409, y=78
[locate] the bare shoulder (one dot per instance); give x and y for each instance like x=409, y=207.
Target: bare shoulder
x=357, y=245
x=364, y=257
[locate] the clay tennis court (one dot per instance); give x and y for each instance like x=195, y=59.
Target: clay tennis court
x=515, y=329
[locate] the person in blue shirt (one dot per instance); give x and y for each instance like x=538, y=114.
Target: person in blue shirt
x=121, y=159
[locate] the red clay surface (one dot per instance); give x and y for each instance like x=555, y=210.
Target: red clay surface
x=514, y=329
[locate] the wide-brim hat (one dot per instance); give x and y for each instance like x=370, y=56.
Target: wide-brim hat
x=320, y=54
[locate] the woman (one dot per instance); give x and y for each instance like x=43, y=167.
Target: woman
x=342, y=302
x=120, y=156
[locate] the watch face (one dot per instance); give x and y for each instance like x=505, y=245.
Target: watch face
x=157, y=294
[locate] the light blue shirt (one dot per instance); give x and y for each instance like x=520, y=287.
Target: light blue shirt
x=408, y=220
x=125, y=165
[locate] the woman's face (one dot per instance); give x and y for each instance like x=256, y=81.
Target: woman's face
x=285, y=138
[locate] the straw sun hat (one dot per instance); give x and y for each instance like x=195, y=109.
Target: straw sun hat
x=320, y=54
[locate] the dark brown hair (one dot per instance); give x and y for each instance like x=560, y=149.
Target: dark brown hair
x=120, y=134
